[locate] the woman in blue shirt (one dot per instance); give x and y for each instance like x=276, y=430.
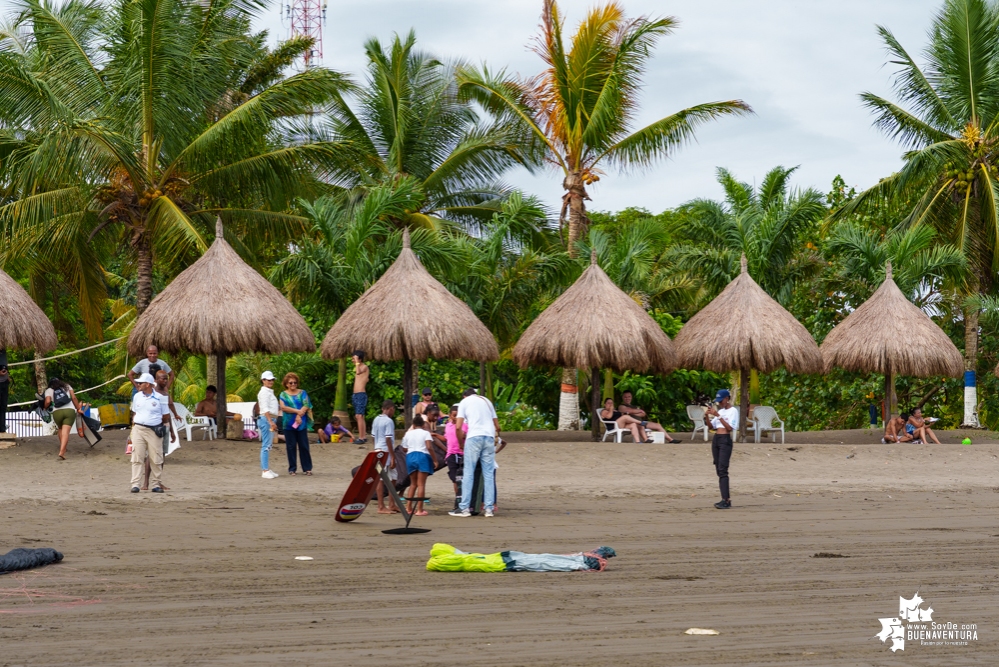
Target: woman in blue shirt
x=297, y=412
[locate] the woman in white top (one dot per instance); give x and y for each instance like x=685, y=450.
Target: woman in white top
x=724, y=420
x=269, y=411
x=420, y=461
x=62, y=401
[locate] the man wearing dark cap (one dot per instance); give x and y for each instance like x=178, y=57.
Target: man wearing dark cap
x=724, y=421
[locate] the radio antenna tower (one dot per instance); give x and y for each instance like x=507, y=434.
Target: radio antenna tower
x=307, y=18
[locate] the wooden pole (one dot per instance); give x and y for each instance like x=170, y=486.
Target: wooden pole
x=890, y=407
x=407, y=391
x=743, y=402
x=220, y=397
x=594, y=403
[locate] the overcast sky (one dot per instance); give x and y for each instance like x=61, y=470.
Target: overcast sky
x=800, y=63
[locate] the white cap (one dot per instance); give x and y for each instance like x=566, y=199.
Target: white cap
x=267, y=375
x=146, y=377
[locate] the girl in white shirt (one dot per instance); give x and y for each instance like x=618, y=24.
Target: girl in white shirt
x=420, y=461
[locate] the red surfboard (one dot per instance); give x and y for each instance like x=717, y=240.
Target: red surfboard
x=358, y=494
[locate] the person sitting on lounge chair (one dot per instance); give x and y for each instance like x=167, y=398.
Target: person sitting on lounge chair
x=626, y=408
x=626, y=422
x=895, y=430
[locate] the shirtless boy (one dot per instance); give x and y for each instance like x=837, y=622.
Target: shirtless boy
x=360, y=399
x=895, y=431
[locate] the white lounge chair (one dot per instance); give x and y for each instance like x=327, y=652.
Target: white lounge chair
x=763, y=420
x=611, y=428
x=189, y=422
x=696, y=414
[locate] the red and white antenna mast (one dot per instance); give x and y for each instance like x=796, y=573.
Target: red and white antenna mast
x=307, y=18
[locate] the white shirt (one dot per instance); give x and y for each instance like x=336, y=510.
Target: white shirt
x=147, y=409
x=382, y=428
x=164, y=402
x=479, y=413
x=731, y=415
x=415, y=440
x=268, y=402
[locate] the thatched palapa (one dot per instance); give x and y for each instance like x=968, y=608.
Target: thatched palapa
x=887, y=334
x=220, y=306
x=594, y=325
x=23, y=325
x=407, y=314
x=744, y=329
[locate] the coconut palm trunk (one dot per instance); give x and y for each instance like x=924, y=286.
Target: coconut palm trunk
x=340, y=398
x=574, y=203
x=970, y=368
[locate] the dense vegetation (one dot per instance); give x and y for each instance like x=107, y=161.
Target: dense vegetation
x=128, y=126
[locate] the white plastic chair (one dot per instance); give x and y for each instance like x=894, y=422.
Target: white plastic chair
x=763, y=420
x=189, y=422
x=696, y=415
x=611, y=428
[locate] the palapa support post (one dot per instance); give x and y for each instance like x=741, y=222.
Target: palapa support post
x=890, y=406
x=594, y=403
x=407, y=391
x=221, y=425
x=743, y=401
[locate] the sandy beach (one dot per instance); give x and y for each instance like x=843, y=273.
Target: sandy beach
x=206, y=573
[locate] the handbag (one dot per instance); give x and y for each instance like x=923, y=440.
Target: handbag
x=160, y=430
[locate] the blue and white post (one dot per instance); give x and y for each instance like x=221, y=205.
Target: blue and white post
x=970, y=400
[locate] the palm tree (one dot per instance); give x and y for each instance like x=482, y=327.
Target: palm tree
x=407, y=122
x=766, y=224
x=947, y=120
x=578, y=113
x=137, y=123
x=922, y=268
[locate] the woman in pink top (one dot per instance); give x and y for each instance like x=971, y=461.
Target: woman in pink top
x=453, y=458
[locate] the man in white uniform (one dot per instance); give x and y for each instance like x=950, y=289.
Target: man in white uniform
x=145, y=440
x=724, y=421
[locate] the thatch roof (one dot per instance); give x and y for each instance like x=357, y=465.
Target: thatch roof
x=743, y=328
x=219, y=305
x=408, y=314
x=889, y=329
x=23, y=325
x=594, y=324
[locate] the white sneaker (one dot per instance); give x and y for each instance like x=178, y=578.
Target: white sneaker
x=489, y=513
x=460, y=513
x=269, y=474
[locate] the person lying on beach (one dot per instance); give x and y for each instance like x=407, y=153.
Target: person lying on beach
x=921, y=427
x=626, y=408
x=627, y=422
x=895, y=430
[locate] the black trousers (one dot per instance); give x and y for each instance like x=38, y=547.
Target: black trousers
x=4, y=394
x=721, y=452
x=297, y=442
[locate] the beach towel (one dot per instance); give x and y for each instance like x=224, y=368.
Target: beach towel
x=27, y=559
x=445, y=558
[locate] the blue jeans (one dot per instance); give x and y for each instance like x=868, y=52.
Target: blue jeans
x=480, y=448
x=266, y=440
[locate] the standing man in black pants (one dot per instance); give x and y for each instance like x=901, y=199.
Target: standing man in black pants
x=724, y=421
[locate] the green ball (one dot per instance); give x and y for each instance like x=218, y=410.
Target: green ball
x=966, y=441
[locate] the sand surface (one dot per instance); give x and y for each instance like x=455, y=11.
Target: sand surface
x=206, y=574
